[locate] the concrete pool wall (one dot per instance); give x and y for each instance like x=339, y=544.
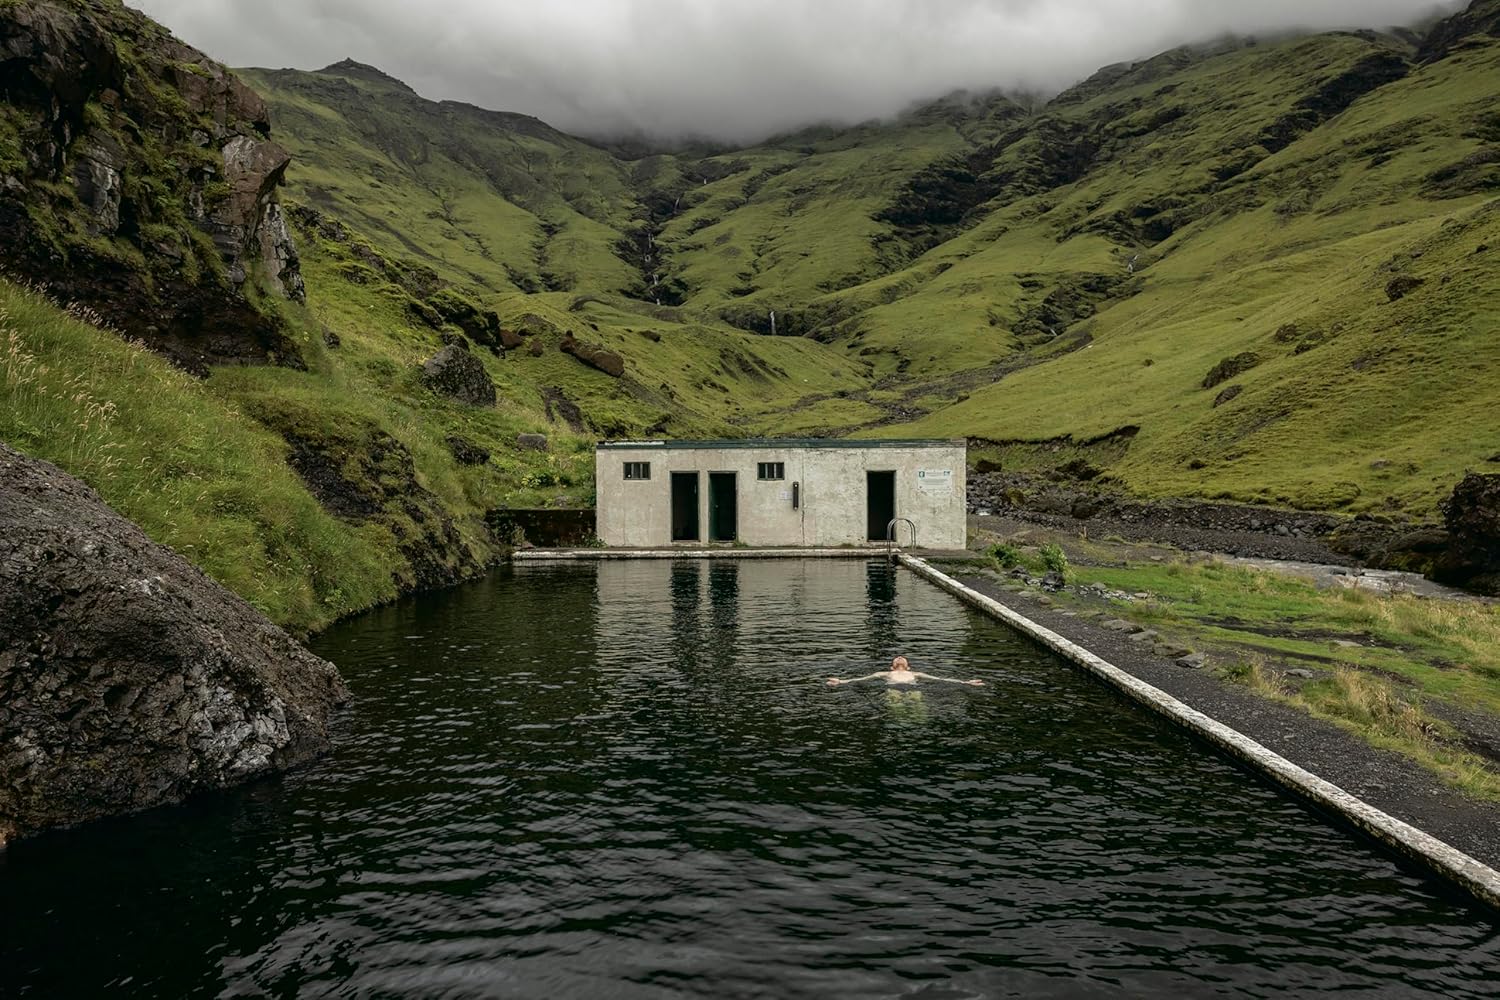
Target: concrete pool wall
x=1447, y=862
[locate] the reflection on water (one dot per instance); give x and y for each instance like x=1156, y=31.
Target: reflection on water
x=629, y=779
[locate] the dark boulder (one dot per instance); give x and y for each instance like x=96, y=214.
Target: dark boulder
x=1472, y=517
x=458, y=374
x=128, y=678
x=1400, y=287
x=1228, y=395
x=595, y=357
x=466, y=452
x=532, y=442
x=1230, y=367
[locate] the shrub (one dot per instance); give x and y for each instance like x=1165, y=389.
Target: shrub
x=1005, y=555
x=1055, y=559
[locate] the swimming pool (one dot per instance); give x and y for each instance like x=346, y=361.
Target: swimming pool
x=628, y=779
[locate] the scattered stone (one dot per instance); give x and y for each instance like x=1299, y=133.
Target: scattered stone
x=1301, y=674
x=130, y=678
x=1192, y=661
x=1120, y=625
x=1045, y=601
x=1032, y=594
x=330, y=338
x=1054, y=582
x=1169, y=652
x=1146, y=635
x=1347, y=644
x=458, y=374
x=532, y=442
x=466, y=452
x=1141, y=595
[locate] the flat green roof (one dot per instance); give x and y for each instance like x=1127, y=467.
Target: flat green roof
x=765, y=444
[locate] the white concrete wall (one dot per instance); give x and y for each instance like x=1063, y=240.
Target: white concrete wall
x=638, y=513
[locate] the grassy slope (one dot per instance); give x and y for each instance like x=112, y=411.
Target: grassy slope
x=175, y=456
x=1382, y=401
x=1365, y=406
x=965, y=327
x=524, y=220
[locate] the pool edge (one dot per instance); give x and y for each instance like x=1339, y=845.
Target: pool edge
x=1447, y=862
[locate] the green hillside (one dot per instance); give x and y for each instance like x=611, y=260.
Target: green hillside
x=1260, y=271
x=1021, y=276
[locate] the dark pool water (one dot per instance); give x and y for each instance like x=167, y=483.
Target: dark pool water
x=628, y=780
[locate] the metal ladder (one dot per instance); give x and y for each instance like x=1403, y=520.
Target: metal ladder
x=890, y=536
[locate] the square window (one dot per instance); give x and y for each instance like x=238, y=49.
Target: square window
x=771, y=470
x=637, y=470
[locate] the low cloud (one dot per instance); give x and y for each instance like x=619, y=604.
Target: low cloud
x=732, y=69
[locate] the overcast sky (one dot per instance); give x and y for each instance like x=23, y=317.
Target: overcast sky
x=730, y=69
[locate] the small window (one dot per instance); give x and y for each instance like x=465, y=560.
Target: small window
x=637, y=470
x=771, y=470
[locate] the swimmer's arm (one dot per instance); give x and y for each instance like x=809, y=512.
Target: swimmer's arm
x=836, y=681
x=949, y=680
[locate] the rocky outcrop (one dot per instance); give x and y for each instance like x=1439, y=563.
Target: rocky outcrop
x=594, y=356
x=1229, y=368
x=360, y=473
x=458, y=374
x=1480, y=19
x=1472, y=517
x=129, y=679
x=139, y=178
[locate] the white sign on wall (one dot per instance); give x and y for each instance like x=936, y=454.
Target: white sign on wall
x=935, y=482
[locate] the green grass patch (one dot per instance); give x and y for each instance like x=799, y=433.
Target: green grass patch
x=1411, y=656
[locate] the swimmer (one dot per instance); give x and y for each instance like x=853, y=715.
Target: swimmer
x=901, y=673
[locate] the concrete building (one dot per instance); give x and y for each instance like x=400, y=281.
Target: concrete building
x=780, y=492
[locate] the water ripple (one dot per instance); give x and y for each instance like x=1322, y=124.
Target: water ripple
x=629, y=781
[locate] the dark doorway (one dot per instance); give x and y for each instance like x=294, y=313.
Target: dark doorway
x=684, y=507
x=722, y=513
x=880, y=503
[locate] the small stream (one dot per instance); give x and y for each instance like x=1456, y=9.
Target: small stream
x=627, y=779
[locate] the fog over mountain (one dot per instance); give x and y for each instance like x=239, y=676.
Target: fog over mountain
x=732, y=69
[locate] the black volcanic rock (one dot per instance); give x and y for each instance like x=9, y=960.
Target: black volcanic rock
x=1472, y=517
x=128, y=678
x=458, y=374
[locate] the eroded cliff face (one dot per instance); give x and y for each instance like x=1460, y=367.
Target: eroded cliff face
x=128, y=678
x=138, y=176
